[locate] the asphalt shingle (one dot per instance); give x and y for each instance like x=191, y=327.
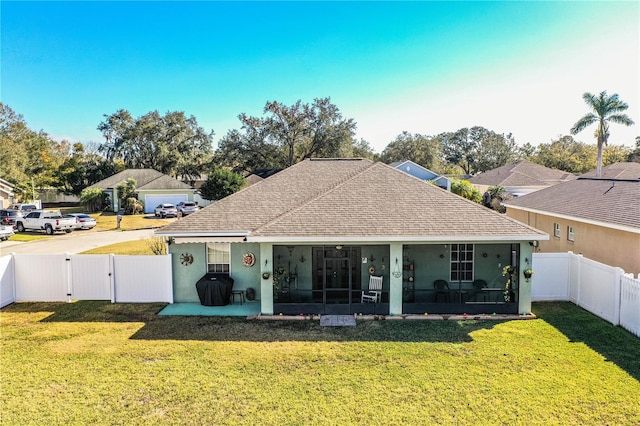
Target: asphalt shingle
x=354, y=198
x=521, y=173
x=605, y=200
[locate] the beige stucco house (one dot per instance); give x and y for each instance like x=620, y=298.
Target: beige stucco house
x=596, y=217
x=309, y=238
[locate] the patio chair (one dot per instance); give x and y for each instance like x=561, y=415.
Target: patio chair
x=374, y=294
x=478, y=285
x=442, y=288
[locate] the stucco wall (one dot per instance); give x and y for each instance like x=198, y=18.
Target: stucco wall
x=245, y=277
x=605, y=245
x=186, y=276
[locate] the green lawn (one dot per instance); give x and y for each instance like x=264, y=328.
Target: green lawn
x=105, y=364
x=135, y=247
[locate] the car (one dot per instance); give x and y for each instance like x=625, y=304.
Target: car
x=24, y=208
x=6, y=232
x=166, y=210
x=83, y=220
x=187, y=207
x=8, y=217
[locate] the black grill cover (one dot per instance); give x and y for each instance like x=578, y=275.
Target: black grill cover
x=214, y=289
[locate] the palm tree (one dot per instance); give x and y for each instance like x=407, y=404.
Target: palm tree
x=606, y=109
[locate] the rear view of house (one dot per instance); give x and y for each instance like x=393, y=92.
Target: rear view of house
x=309, y=238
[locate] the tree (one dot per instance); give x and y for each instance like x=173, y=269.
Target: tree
x=459, y=149
x=422, y=150
x=286, y=135
x=615, y=154
x=493, y=198
x=128, y=199
x=94, y=199
x=526, y=151
x=465, y=189
x=221, y=183
x=566, y=154
x=495, y=150
x=173, y=144
x=82, y=169
x=605, y=110
x=634, y=155
x=477, y=149
x=28, y=159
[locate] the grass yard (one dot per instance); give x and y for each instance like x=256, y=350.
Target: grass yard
x=28, y=236
x=137, y=247
x=105, y=364
x=106, y=221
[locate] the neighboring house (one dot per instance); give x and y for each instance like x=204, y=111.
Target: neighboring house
x=152, y=187
x=596, y=217
x=520, y=178
x=6, y=193
x=320, y=228
x=423, y=173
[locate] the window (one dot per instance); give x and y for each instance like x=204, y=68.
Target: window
x=218, y=255
x=556, y=230
x=570, y=233
x=461, y=262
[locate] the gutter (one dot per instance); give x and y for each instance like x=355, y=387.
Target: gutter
x=577, y=219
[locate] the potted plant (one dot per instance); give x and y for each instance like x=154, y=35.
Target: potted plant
x=266, y=275
x=528, y=273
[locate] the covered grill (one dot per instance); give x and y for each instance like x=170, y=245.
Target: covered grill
x=214, y=289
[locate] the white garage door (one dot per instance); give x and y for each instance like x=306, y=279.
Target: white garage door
x=151, y=201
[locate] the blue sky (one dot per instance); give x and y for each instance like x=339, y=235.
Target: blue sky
x=423, y=67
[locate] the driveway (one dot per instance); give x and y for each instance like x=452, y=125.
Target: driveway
x=74, y=242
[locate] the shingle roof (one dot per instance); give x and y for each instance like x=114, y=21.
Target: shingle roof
x=617, y=171
x=146, y=179
x=521, y=173
x=349, y=198
x=608, y=201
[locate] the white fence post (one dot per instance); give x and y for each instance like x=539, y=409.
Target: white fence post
x=112, y=277
x=67, y=259
x=618, y=297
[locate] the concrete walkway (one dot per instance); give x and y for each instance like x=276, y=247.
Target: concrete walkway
x=74, y=242
x=337, y=320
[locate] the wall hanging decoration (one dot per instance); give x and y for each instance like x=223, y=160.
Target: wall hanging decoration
x=248, y=259
x=186, y=259
x=396, y=270
x=372, y=270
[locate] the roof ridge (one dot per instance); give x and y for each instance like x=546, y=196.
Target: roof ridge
x=320, y=193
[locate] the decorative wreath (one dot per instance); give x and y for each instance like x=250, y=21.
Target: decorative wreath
x=248, y=259
x=372, y=270
x=186, y=259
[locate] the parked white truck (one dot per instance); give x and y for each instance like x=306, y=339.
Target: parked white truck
x=49, y=221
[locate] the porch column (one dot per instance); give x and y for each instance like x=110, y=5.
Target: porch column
x=526, y=262
x=395, y=286
x=266, y=286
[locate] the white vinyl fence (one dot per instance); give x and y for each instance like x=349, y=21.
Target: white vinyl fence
x=63, y=277
x=603, y=290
